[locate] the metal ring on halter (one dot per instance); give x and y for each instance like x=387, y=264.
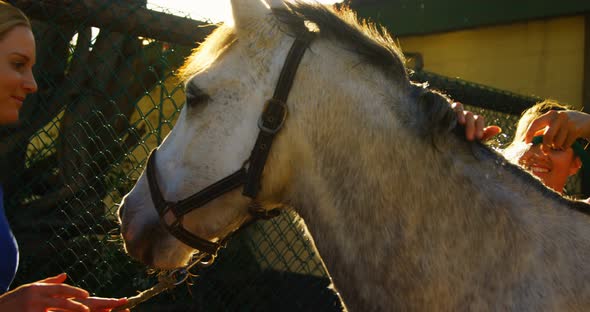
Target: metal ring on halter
x=200, y=263
x=208, y=262
x=180, y=275
x=183, y=275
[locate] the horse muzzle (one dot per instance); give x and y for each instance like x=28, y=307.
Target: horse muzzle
x=140, y=232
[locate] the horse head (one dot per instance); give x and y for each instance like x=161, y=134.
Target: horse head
x=297, y=104
x=334, y=97
x=349, y=73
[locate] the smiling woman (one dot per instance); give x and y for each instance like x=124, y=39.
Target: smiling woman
x=17, y=56
x=215, y=11
x=552, y=163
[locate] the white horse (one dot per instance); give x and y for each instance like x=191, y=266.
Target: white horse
x=406, y=214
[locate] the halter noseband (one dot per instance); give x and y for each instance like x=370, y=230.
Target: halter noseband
x=270, y=123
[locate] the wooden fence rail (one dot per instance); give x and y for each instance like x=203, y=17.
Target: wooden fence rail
x=121, y=16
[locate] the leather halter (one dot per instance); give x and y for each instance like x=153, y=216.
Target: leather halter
x=270, y=123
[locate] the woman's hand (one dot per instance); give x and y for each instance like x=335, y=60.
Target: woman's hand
x=474, y=124
x=561, y=128
x=52, y=294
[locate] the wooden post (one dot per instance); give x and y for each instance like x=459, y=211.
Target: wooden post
x=120, y=17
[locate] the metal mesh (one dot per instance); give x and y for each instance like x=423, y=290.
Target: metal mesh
x=107, y=97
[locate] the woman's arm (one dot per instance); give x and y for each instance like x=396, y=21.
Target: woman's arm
x=52, y=293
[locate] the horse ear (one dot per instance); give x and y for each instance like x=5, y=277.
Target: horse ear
x=246, y=11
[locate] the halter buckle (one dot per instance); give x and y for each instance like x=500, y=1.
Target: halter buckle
x=273, y=116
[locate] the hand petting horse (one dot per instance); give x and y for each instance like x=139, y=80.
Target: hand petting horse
x=299, y=105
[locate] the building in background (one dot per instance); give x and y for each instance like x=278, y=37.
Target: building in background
x=534, y=48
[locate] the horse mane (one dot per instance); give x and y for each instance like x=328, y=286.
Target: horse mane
x=376, y=46
x=373, y=43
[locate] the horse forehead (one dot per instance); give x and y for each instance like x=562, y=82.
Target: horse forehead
x=248, y=63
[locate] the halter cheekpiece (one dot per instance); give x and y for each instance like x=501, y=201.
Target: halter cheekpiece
x=270, y=123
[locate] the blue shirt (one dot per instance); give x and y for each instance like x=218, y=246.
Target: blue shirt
x=8, y=250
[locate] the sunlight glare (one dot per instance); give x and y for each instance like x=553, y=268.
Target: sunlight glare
x=206, y=10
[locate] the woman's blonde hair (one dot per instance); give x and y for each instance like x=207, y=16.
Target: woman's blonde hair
x=10, y=17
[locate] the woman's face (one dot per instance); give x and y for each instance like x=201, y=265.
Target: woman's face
x=552, y=167
x=17, y=57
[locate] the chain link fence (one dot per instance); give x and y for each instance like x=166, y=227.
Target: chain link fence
x=108, y=96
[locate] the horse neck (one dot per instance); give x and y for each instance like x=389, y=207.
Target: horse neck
x=380, y=202
x=360, y=189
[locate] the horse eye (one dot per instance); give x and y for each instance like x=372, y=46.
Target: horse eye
x=195, y=96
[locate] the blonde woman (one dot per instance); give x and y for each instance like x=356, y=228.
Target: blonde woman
x=17, y=57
